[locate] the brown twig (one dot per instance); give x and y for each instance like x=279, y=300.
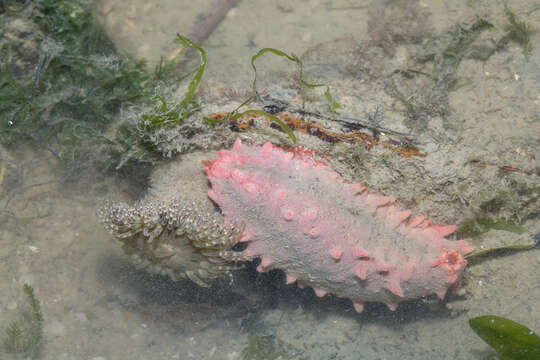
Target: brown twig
x=218, y=11
x=299, y=124
x=509, y=168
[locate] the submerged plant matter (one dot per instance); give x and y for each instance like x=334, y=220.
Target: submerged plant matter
x=62, y=86
x=481, y=225
x=24, y=336
x=511, y=340
x=167, y=114
x=268, y=347
x=519, y=31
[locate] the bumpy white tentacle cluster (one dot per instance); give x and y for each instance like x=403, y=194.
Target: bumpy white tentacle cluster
x=174, y=239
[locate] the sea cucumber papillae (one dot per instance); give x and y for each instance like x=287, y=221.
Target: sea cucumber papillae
x=300, y=216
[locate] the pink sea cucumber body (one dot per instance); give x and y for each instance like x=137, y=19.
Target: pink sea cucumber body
x=302, y=217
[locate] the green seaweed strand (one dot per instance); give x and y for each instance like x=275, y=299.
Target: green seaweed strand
x=189, y=98
x=304, y=84
x=479, y=256
x=170, y=113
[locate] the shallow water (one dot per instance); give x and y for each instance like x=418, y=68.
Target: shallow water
x=98, y=306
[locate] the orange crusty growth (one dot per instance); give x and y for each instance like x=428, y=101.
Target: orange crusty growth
x=302, y=217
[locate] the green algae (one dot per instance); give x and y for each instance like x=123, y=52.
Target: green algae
x=24, y=336
x=449, y=49
x=436, y=69
x=438, y=63
x=511, y=340
x=332, y=103
x=519, y=31
x=291, y=57
x=62, y=82
x=166, y=114
x=269, y=347
x=481, y=255
x=478, y=226
x=73, y=84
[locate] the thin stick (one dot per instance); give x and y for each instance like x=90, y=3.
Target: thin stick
x=39, y=66
x=218, y=12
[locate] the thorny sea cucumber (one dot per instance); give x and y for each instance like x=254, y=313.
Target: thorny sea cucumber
x=297, y=215
x=302, y=217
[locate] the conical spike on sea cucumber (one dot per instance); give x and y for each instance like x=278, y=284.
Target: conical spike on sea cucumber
x=335, y=253
x=212, y=195
x=374, y=201
x=288, y=214
x=383, y=269
x=426, y=224
x=416, y=221
x=395, y=288
x=216, y=170
x=313, y=232
x=320, y=292
x=265, y=264
x=360, y=253
x=238, y=146
x=358, y=306
x=400, y=217
x=445, y=230
x=267, y=148
x=357, y=189
x=360, y=272
x=441, y=293
x=289, y=279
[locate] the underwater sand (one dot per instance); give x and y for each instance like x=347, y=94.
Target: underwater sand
x=97, y=306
